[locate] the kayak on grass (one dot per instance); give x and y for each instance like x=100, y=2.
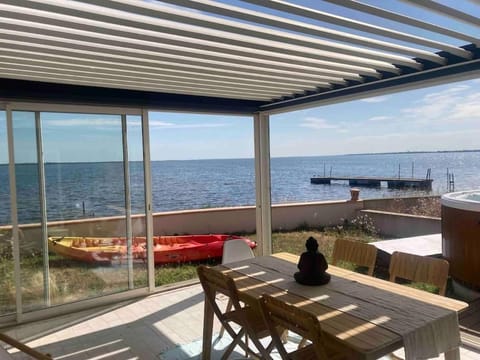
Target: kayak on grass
x=166, y=249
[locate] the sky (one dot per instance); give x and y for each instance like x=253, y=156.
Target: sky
x=444, y=117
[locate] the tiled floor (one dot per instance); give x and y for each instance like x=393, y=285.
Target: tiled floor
x=139, y=329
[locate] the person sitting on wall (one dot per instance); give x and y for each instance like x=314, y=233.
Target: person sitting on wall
x=312, y=265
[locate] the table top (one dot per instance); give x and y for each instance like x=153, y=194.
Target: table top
x=371, y=316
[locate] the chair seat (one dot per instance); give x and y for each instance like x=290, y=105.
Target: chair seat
x=256, y=322
x=308, y=353
x=306, y=325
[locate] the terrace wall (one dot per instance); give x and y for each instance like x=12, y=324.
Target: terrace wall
x=397, y=225
x=235, y=220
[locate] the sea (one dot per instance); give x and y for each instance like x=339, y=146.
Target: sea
x=95, y=189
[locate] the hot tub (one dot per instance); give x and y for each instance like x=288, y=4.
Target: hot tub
x=461, y=236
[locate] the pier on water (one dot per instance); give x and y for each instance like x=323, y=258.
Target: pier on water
x=374, y=181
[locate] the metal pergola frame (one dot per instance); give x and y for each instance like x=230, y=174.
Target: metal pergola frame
x=257, y=59
x=210, y=56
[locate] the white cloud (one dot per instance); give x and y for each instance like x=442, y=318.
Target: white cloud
x=83, y=122
x=394, y=141
x=380, y=118
x=468, y=109
x=375, y=99
x=164, y=125
x=451, y=105
x=317, y=123
x=102, y=123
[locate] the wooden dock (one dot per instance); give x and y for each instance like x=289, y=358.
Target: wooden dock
x=392, y=183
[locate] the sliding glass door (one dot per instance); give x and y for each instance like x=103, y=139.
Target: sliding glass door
x=79, y=207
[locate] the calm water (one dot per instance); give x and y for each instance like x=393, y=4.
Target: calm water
x=76, y=190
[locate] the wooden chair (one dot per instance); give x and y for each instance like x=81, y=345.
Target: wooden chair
x=419, y=269
x=32, y=353
x=358, y=253
x=250, y=324
x=278, y=314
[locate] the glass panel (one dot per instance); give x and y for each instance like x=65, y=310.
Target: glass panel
x=401, y=142
x=28, y=210
x=85, y=205
x=85, y=208
x=7, y=281
x=202, y=163
x=137, y=196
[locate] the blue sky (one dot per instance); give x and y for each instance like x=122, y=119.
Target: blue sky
x=438, y=118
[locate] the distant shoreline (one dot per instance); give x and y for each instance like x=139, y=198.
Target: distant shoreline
x=273, y=157
x=412, y=152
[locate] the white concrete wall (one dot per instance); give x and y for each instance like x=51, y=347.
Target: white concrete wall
x=327, y=213
x=215, y=220
x=397, y=225
x=202, y=221
x=237, y=220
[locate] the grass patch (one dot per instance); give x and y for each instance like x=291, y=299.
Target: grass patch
x=72, y=281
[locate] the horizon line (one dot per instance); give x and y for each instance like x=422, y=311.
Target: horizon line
x=251, y=158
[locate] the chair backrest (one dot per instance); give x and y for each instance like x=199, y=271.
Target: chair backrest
x=279, y=314
x=214, y=282
x=358, y=253
x=419, y=269
x=236, y=250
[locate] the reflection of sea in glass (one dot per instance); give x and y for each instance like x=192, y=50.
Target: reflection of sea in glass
x=7, y=284
x=77, y=180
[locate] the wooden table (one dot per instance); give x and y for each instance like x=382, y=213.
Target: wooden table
x=369, y=316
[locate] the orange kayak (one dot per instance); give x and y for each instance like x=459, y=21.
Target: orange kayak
x=166, y=249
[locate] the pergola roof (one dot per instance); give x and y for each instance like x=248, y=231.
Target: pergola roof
x=240, y=56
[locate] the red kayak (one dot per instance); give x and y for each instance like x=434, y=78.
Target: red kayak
x=166, y=249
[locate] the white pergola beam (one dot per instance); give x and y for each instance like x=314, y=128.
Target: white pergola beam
x=447, y=11
x=305, y=28
x=136, y=77
x=92, y=81
x=118, y=53
x=79, y=29
x=403, y=19
x=311, y=49
x=92, y=44
x=68, y=63
x=209, y=48
x=156, y=76
x=145, y=67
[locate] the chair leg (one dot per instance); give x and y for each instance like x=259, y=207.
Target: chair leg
x=235, y=342
x=229, y=308
x=302, y=343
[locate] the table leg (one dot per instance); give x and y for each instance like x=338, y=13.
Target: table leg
x=452, y=354
x=207, y=330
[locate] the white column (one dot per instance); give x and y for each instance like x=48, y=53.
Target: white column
x=14, y=216
x=262, y=182
x=148, y=199
x=128, y=202
x=43, y=208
